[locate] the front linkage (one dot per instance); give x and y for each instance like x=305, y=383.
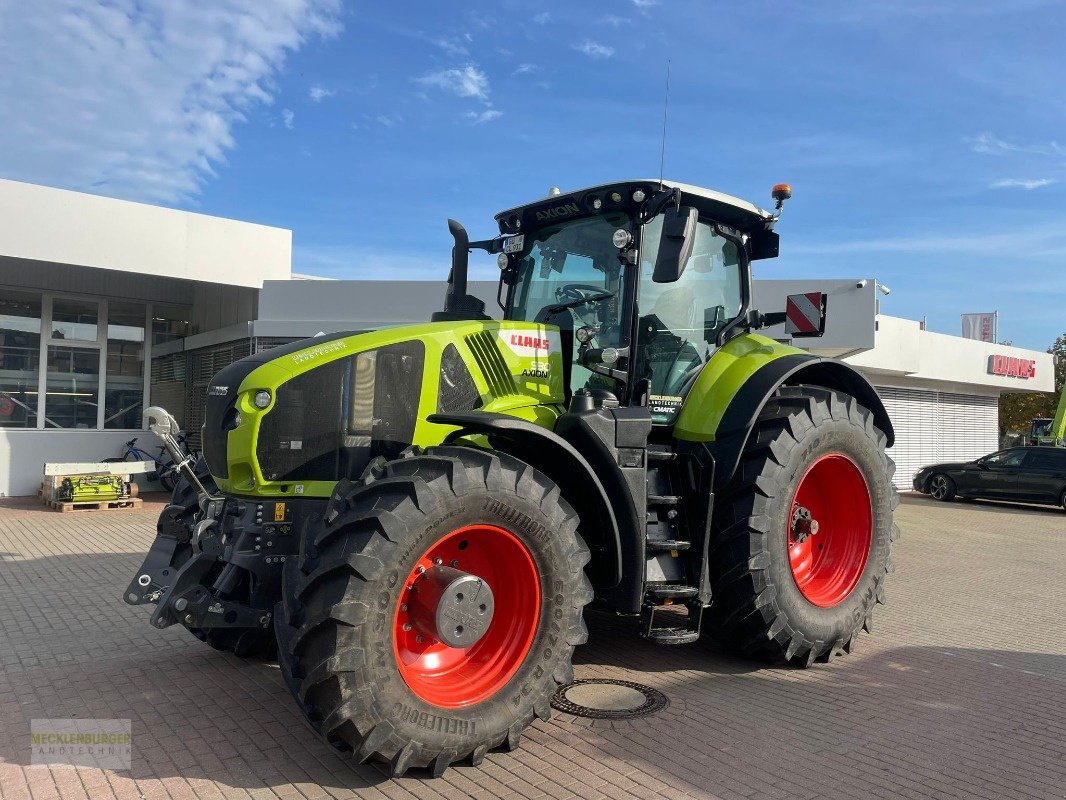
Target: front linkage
x=211, y=550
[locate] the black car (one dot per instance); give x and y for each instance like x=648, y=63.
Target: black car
x=1027, y=474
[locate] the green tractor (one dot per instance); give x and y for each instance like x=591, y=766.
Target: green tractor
x=415, y=519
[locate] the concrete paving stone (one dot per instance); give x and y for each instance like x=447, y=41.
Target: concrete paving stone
x=959, y=693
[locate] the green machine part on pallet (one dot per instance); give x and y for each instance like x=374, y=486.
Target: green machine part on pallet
x=92, y=489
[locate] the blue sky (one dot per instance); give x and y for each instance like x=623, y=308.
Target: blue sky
x=924, y=140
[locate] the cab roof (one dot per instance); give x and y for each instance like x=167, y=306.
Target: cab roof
x=716, y=205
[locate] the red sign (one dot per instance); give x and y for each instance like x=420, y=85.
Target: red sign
x=535, y=342
x=1011, y=367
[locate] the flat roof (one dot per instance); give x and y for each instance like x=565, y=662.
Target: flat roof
x=49, y=225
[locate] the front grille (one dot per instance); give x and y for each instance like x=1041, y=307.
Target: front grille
x=490, y=362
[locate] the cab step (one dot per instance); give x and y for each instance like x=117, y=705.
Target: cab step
x=660, y=545
x=671, y=592
x=664, y=500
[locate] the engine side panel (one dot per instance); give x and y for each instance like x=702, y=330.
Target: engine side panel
x=338, y=402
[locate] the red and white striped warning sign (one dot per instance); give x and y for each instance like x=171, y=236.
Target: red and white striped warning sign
x=803, y=314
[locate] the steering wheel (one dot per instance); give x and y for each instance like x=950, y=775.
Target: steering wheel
x=577, y=291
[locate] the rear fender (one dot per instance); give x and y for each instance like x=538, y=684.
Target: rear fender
x=727, y=398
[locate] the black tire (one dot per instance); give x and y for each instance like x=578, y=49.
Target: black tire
x=758, y=607
x=341, y=601
x=182, y=512
x=941, y=487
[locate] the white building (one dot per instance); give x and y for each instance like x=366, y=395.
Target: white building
x=104, y=303
x=92, y=292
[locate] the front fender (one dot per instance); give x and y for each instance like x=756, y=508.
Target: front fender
x=548, y=452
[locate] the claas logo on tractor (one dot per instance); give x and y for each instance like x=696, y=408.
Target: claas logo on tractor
x=413, y=520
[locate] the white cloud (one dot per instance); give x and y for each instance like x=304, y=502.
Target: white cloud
x=644, y=5
x=543, y=18
x=288, y=118
x=388, y=120
x=318, y=94
x=469, y=81
x=525, y=69
x=989, y=144
x=615, y=21
x=594, y=49
x=487, y=115
x=453, y=46
x=140, y=100
x=1022, y=183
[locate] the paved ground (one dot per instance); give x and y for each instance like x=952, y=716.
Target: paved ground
x=960, y=692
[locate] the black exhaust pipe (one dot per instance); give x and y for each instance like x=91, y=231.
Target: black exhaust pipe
x=460, y=264
x=458, y=305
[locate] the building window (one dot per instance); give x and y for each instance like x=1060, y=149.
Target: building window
x=74, y=319
x=124, y=381
x=78, y=362
x=20, y=357
x=169, y=323
x=73, y=387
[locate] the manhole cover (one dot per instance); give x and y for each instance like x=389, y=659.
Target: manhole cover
x=607, y=699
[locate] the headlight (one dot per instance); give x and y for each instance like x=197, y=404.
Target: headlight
x=620, y=238
x=262, y=399
x=237, y=420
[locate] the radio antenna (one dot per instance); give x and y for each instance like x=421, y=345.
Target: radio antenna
x=666, y=109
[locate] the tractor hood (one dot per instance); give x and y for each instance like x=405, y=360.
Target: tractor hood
x=298, y=418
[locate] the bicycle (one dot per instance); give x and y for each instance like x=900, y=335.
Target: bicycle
x=166, y=471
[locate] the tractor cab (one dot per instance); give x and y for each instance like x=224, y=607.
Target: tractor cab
x=644, y=280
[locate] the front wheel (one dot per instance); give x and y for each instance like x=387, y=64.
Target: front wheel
x=941, y=487
x=802, y=534
x=434, y=609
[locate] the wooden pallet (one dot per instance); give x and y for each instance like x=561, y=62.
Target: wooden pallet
x=126, y=504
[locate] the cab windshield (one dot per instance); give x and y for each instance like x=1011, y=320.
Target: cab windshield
x=564, y=264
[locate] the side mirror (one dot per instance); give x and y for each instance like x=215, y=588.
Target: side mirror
x=805, y=314
x=675, y=245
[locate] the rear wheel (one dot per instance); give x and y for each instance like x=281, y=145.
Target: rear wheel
x=941, y=487
x=803, y=531
x=434, y=610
